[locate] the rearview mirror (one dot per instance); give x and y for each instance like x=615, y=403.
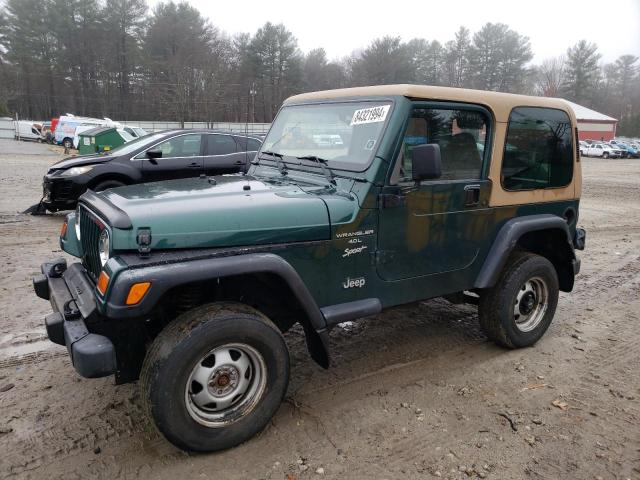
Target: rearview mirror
x=153, y=154
x=426, y=162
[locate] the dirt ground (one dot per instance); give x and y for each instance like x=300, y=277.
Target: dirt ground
x=416, y=392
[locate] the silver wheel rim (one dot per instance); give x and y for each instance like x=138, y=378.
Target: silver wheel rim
x=530, y=304
x=225, y=385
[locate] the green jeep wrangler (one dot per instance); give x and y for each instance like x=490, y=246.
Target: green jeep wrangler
x=359, y=200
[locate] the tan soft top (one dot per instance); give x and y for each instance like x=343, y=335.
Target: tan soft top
x=500, y=103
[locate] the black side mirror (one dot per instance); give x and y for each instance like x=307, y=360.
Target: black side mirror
x=152, y=155
x=426, y=162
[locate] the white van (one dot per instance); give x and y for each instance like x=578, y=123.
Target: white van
x=68, y=124
x=26, y=130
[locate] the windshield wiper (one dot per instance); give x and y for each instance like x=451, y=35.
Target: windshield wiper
x=278, y=157
x=323, y=165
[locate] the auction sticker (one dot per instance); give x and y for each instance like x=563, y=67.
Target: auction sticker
x=370, y=115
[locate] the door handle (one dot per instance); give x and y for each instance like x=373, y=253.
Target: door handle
x=239, y=162
x=194, y=165
x=471, y=195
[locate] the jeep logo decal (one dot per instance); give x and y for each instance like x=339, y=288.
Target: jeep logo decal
x=354, y=283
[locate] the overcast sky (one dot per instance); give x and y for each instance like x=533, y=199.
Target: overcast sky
x=341, y=26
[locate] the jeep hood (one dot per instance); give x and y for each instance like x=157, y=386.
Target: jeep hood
x=219, y=212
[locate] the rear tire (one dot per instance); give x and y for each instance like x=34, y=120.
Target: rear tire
x=67, y=143
x=215, y=376
x=605, y=155
x=517, y=311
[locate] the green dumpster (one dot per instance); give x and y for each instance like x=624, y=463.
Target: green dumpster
x=99, y=139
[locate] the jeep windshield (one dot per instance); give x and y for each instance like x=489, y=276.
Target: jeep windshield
x=343, y=135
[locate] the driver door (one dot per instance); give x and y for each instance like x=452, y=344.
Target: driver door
x=439, y=225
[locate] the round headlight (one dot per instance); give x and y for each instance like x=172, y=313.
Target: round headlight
x=103, y=246
x=78, y=222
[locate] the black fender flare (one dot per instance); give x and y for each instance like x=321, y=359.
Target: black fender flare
x=116, y=217
x=166, y=276
x=508, y=237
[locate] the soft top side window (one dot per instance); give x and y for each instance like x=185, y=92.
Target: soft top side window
x=538, y=151
x=460, y=133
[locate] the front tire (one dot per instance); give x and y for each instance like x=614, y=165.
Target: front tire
x=605, y=155
x=517, y=311
x=215, y=376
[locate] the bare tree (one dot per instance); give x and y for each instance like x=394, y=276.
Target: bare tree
x=550, y=77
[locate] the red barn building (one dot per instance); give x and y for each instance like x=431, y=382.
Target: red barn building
x=594, y=125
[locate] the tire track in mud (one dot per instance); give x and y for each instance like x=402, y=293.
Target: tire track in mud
x=609, y=369
x=60, y=441
x=31, y=358
x=117, y=418
x=620, y=277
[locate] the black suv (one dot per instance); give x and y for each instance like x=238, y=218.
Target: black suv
x=158, y=156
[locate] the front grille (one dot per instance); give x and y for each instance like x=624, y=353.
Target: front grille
x=90, y=228
x=64, y=190
x=58, y=190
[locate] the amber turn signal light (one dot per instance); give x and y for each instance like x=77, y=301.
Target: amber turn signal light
x=137, y=292
x=103, y=282
x=63, y=230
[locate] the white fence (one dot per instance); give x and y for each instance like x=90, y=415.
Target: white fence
x=249, y=128
x=7, y=129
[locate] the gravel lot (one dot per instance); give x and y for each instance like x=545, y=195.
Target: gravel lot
x=416, y=392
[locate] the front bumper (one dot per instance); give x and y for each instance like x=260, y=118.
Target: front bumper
x=61, y=193
x=74, y=307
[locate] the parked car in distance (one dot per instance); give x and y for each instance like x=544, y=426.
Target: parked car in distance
x=135, y=132
x=629, y=151
x=45, y=132
x=160, y=156
x=622, y=152
x=583, y=147
x=602, y=150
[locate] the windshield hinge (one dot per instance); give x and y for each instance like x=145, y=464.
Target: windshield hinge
x=143, y=239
